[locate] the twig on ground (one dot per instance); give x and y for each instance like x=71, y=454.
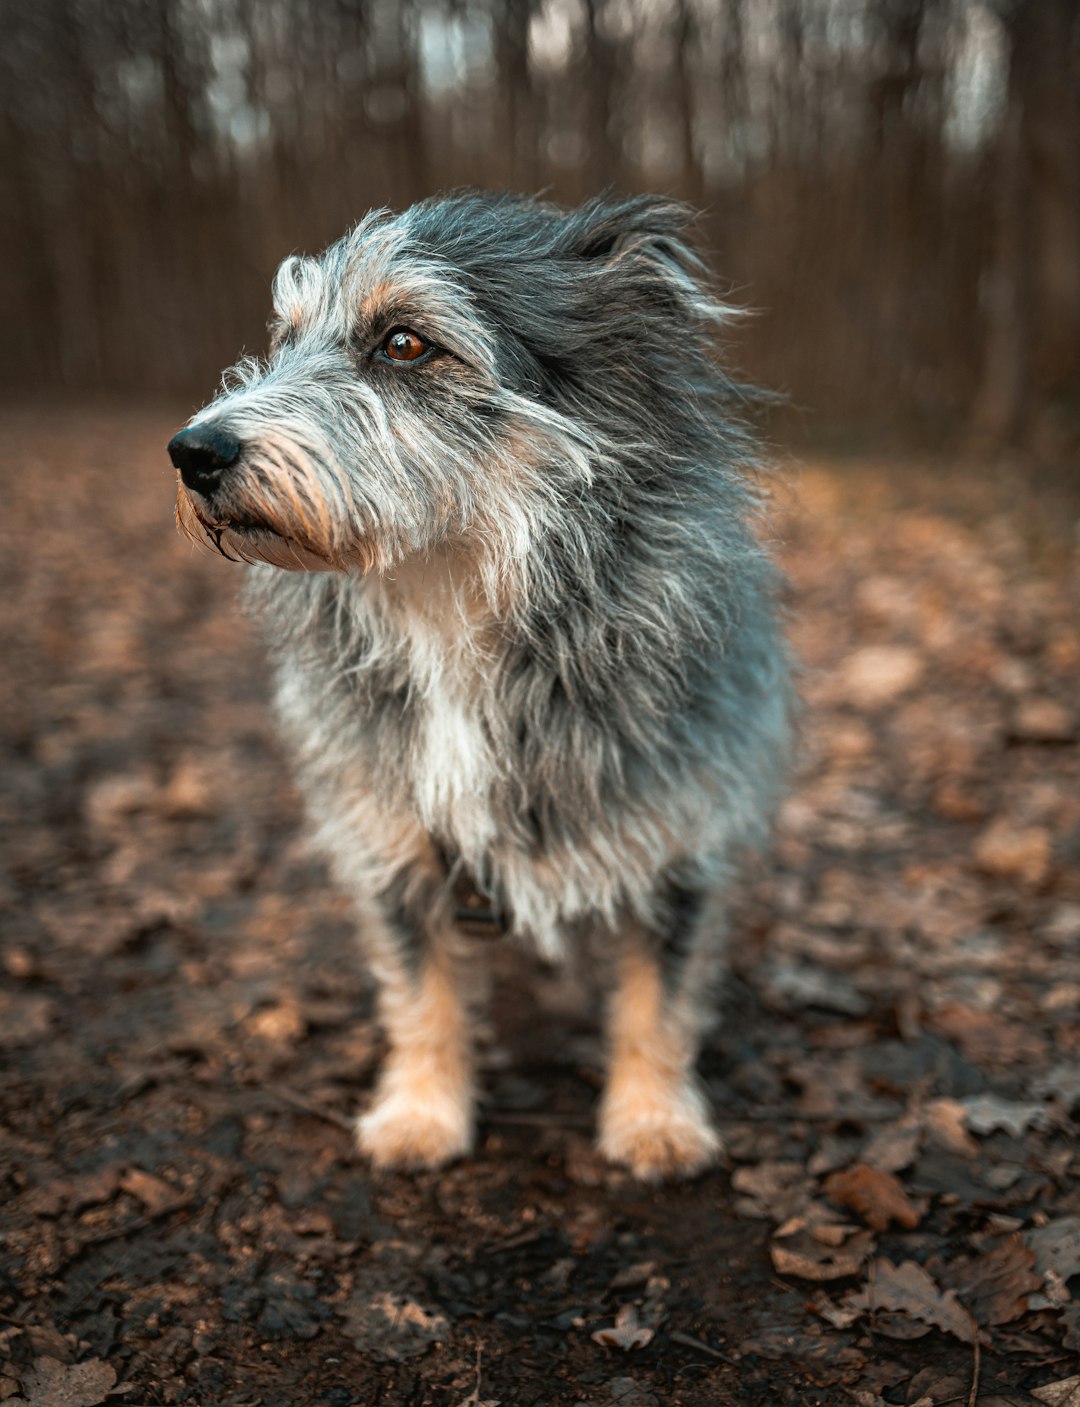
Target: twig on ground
x=309, y=1106
x=974, y=1393
x=688, y=1341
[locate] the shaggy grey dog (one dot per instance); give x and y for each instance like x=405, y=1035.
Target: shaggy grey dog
x=526, y=634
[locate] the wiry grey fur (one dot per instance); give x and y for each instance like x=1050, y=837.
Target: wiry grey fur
x=534, y=637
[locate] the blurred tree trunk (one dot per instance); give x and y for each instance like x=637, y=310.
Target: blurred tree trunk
x=517, y=96
x=1052, y=113
x=1000, y=403
x=605, y=164
x=687, y=39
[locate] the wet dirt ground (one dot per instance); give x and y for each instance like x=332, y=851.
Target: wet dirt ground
x=186, y=1032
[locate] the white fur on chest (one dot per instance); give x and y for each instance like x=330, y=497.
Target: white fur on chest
x=452, y=765
x=454, y=770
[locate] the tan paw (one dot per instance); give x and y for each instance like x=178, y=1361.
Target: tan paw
x=658, y=1134
x=399, y=1132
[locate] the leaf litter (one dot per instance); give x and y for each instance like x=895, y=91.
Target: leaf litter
x=188, y=1035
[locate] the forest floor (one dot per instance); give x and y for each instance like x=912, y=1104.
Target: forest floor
x=186, y=1031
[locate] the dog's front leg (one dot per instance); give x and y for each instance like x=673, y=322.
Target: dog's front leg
x=422, y=1111
x=654, y=1116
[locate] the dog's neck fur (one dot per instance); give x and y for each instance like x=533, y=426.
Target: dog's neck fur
x=431, y=608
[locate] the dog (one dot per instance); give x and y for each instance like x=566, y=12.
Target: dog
x=500, y=497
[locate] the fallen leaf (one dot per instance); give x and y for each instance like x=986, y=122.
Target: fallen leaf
x=390, y=1328
x=1065, y=1393
x=995, y=1286
x=825, y=1309
x=636, y=1274
x=874, y=1195
x=281, y=1022
x=907, y=1290
x=110, y=800
x=985, y=1038
x=876, y=675
x=820, y=1250
x=157, y=1196
x=1062, y=1082
x=190, y=790
x=986, y=1112
x=1056, y=1246
x=1043, y=721
x=1070, y=1320
x=945, y=1121
x=774, y=1190
x=52, y=1384
x=791, y=986
x=930, y=1385
x=384, y=1317
x=1014, y=852
x=626, y=1333
x=895, y=1146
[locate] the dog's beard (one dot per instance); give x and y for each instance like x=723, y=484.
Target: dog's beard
x=251, y=536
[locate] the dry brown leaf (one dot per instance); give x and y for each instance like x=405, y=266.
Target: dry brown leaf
x=52, y=1384
x=190, y=790
x=995, y=1286
x=876, y=675
x=1065, y=1393
x=1070, y=1322
x=1063, y=1083
x=907, y=1290
x=985, y=1038
x=638, y=1273
x=156, y=1195
x=825, y=1309
x=1041, y=720
x=774, y=1190
x=626, y=1333
x=875, y=1195
x=945, y=1121
x=1014, y=852
x=280, y=1022
x=823, y=1250
x=388, y=1327
x=895, y=1146
x=1056, y=1246
x=383, y=1316
x=73, y=1194
x=986, y=1112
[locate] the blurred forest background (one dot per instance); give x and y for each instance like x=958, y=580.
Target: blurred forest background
x=893, y=184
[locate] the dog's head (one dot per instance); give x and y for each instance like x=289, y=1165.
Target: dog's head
x=461, y=373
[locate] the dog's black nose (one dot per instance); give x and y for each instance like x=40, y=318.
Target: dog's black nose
x=202, y=453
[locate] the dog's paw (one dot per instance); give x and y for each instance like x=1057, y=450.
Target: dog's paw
x=399, y=1132
x=658, y=1133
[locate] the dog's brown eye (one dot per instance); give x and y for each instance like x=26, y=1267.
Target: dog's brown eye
x=404, y=345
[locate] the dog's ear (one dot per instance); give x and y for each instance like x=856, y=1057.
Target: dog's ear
x=644, y=241
x=610, y=225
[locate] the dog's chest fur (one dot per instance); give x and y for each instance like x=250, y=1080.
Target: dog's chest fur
x=452, y=764
x=413, y=711
x=428, y=621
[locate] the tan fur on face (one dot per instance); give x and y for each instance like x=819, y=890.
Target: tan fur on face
x=290, y=544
